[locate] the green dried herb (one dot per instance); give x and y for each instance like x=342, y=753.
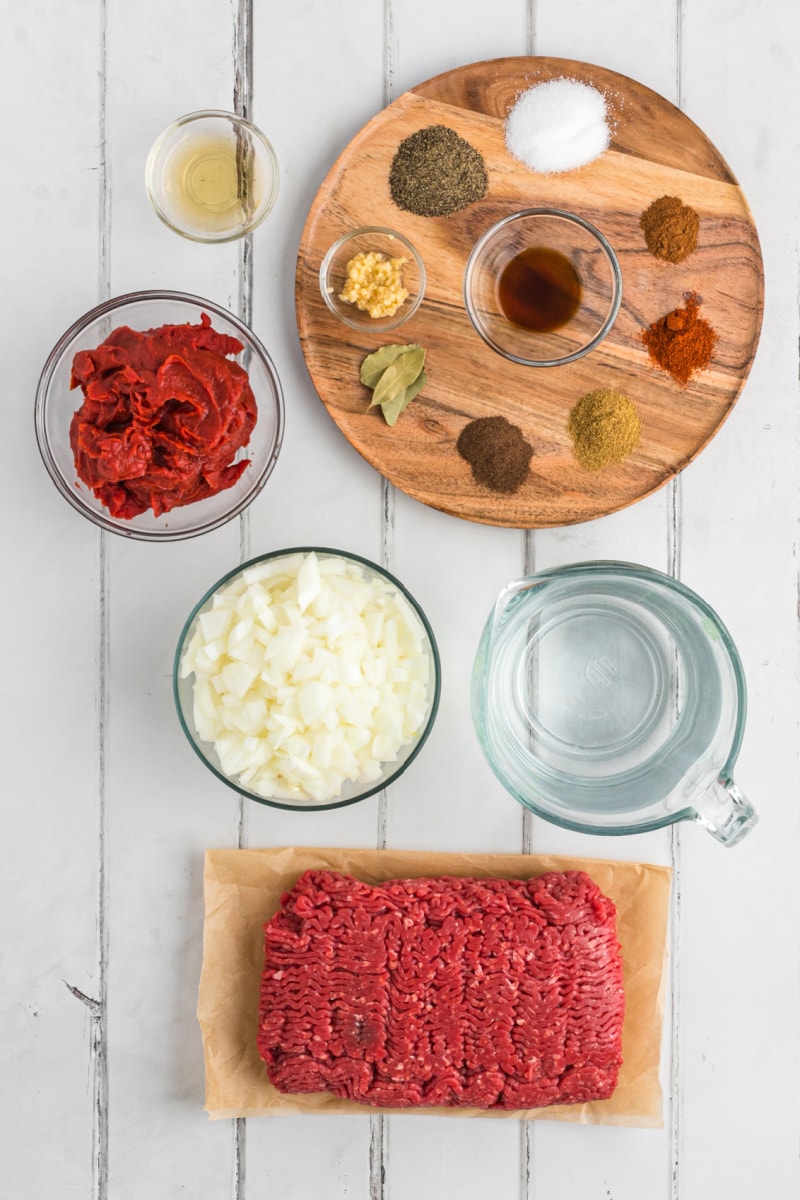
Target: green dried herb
x=392, y=408
x=375, y=364
x=396, y=375
x=436, y=172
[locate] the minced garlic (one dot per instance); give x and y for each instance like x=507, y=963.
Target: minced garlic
x=375, y=284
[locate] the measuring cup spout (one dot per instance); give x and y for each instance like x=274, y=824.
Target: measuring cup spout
x=724, y=811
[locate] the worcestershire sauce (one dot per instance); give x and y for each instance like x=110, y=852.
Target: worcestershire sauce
x=539, y=289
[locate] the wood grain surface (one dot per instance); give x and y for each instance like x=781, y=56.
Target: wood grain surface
x=655, y=150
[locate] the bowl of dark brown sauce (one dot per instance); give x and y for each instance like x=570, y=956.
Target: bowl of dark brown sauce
x=542, y=287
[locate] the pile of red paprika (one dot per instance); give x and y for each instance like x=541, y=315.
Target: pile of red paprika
x=681, y=342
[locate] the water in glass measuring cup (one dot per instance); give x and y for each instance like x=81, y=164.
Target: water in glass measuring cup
x=609, y=698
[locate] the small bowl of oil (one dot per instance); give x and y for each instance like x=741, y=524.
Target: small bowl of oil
x=542, y=287
x=212, y=176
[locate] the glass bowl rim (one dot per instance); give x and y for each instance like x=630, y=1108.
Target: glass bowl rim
x=616, y=284
x=436, y=666
x=105, y=308
x=188, y=119
x=381, y=324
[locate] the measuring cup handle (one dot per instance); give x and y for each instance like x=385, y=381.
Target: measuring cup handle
x=725, y=812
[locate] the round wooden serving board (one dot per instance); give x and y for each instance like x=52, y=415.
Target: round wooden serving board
x=655, y=151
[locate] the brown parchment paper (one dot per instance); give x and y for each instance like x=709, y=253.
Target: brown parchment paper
x=243, y=890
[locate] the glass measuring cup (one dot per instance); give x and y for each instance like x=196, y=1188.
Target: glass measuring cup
x=610, y=699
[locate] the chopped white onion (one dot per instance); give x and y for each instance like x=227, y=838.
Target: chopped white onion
x=308, y=673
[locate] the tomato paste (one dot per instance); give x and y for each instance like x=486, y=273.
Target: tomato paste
x=164, y=413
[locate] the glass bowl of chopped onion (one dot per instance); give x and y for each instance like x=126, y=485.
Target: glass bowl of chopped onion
x=159, y=415
x=372, y=278
x=543, y=287
x=307, y=678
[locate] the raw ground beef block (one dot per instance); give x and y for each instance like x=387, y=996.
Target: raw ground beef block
x=490, y=993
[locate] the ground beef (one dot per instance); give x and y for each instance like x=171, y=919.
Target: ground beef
x=490, y=993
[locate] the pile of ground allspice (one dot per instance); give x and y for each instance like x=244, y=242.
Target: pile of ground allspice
x=497, y=452
x=436, y=172
x=670, y=228
x=605, y=427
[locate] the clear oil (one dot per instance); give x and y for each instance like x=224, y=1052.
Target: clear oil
x=211, y=183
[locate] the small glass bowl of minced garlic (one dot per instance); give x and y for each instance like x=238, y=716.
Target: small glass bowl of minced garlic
x=372, y=278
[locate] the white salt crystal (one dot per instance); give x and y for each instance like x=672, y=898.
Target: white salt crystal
x=558, y=126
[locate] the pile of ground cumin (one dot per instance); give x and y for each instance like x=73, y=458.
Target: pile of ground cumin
x=605, y=427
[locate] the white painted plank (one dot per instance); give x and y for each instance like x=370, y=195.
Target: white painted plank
x=49, y=815
x=623, y=35
x=163, y=807
x=640, y=42
x=427, y=40
x=449, y=799
x=324, y=493
x=300, y=1157
x=433, y=1157
x=740, y=957
x=330, y=60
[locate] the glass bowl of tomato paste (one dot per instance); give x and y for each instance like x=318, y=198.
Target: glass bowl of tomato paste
x=159, y=415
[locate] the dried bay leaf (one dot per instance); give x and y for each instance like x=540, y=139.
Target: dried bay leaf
x=392, y=409
x=396, y=375
x=376, y=363
x=399, y=375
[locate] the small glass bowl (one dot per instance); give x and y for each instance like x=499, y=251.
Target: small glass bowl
x=389, y=243
x=183, y=687
x=593, y=260
x=56, y=403
x=211, y=176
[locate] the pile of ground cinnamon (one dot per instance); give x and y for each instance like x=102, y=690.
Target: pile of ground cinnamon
x=670, y=228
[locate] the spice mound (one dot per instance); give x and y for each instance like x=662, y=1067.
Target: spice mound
x=682, y=342
x=481, y=993
x=670, y=228
x=375, y=284
x=497, y=452
x=605, y=428
x=436, y=172
x=558, y=126
x=164, y=413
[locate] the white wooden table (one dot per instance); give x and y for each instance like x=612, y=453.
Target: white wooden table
x=106, y=812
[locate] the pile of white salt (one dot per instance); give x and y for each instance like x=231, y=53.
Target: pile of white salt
x=558, y=126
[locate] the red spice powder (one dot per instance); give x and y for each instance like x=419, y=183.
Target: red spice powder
x=682, y=342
